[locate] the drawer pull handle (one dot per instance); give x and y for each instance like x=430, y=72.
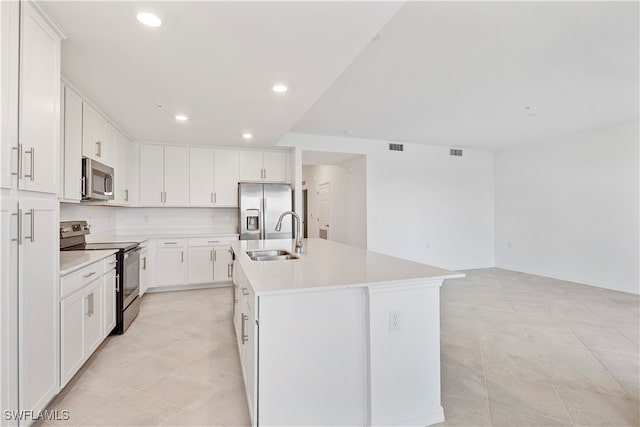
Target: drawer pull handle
x=89, y=275
x=213, y=241
x=170, y=243
x=245, y=337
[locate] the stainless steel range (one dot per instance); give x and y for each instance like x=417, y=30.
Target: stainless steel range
x=72, y=238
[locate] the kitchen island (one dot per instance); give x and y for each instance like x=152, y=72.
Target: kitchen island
x=339, y=336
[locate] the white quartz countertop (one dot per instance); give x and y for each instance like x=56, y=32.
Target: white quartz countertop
x=71, y=261
x=325, y=264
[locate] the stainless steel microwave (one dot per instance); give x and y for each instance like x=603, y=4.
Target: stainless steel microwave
x=97, y=180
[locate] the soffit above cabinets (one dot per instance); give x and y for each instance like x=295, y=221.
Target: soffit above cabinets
x=487, y=74
x=215, y=62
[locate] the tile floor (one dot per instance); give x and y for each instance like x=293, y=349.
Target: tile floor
x=517, y=350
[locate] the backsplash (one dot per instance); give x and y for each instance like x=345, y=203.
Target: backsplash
x=176, y=220
x=105, y=220
x=101, y=218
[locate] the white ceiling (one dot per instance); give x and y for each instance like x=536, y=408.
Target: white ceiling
x=213, y=61
x=326, y=158
x=463, y=73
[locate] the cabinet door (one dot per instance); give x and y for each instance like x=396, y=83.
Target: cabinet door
x=151, y=175
x=94, y=134
x=170, y=266
x=39, y=104
x=72, y=146
x=176, y=176
x=275, y=166
x=38, y=324
x=251, y=166
x=200, y=265
x=226, y=164
x=200, y=176
x=131, y=186
x=93, y=334
x=222, y=264
x=9, y=71
x=249, y=361
x=109, y=284
x=144, y=271
x=9, y=235
x=119, y=154
x=72, y=353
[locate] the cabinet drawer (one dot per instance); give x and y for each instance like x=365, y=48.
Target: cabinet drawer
x=109, y=264
x=209, y=241
x=74, y=281
x=171, y=243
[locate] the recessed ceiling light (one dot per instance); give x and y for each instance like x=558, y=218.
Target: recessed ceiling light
x=149, y=19
x=182, y=117
x=247, y=135
x=279, y=88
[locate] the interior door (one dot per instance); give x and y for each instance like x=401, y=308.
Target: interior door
x=324, y=209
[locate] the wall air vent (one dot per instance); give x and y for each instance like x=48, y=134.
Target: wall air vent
x=455, y=152
x=396, y=147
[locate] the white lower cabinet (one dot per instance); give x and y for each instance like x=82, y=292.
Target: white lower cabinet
x=109, y=286
x=87, y=314
x=222, y=264
x=170, y=265
x=186, y=262
x=72, y=350
x=200, y=265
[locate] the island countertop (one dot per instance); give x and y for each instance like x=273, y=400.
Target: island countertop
x=328, y=264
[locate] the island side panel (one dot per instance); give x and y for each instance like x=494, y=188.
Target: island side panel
x=312, y=359
x=405, y=357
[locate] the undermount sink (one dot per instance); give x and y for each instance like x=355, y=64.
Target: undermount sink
x=270, y=255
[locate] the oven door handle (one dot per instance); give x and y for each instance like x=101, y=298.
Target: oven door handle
x=131, y=252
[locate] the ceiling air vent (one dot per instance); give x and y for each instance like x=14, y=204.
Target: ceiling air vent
x=396, y=147
x=455, y=152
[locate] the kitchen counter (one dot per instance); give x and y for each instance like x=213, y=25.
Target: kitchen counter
x=327, y=264
x=340, y=336
x=71, y=261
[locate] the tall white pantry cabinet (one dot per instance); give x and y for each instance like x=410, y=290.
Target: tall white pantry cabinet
x=29, y=211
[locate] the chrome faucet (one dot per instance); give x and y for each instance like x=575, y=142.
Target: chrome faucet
x=298, y=236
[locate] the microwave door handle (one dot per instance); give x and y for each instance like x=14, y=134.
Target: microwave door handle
x=108, y=189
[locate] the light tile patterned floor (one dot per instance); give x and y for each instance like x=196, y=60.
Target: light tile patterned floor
x=517, y=350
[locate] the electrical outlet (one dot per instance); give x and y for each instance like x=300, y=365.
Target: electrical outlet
x=394, y=320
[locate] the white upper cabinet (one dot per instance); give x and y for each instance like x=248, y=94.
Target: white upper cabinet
x=132, y=161
x=9, y=71
x=164, y=175
x=268, y=166
x=226, y=167
x=276, y=166
x=39, y=103
x=72, y=146
x=151, y=175
x=201, y=176
x=95, y=137
x=251, y=166
x=176, y=176
x=122, y=168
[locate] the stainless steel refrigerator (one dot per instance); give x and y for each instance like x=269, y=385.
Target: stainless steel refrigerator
x=260, y=207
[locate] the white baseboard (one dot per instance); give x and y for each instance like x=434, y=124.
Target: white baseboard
x=188, y=287
x=420, y=418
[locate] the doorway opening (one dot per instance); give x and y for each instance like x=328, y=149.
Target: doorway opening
x=334, y=192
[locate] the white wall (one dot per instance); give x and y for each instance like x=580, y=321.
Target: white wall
x=422, y=204
x=347, y=203
x=569, y=208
